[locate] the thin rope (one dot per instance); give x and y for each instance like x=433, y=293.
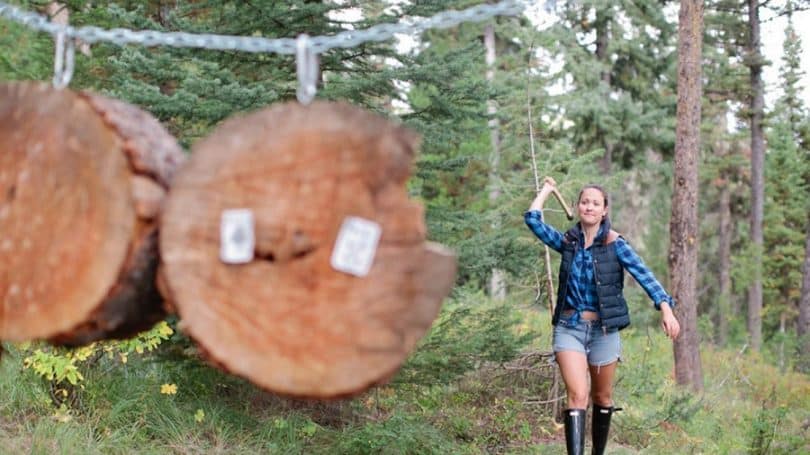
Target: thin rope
x=531, y=139
x=546, y=251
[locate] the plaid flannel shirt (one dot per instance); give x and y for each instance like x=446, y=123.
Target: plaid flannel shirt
x=581, y=294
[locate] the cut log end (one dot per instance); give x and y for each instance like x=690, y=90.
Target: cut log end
x=288, y=321
x=76, y=232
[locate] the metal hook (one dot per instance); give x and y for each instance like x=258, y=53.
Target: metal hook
x=306, y=65
x=63, y=60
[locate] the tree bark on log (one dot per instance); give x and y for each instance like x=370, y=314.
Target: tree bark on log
x=82, y=180
x=287, y=320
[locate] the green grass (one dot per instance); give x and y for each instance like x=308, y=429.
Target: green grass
x=748, y=407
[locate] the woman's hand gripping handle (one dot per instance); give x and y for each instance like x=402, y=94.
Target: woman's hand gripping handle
x=550, y=187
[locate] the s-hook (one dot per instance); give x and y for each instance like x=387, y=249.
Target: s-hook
x=306, y=65
x=63, y=60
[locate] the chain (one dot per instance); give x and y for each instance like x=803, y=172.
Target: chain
x=319, y=44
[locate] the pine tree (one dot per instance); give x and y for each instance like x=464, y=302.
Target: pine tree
x=618, y=78
x=620, y=61
x=723, y=172
x=24, y=53
x=788, y=174
x=191, y=90
x=448, y=100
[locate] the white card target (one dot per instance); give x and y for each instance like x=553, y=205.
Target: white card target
x=356, y=246
x=237, y=239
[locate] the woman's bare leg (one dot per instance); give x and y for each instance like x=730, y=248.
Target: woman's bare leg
x=574, y=370
x=602, y=383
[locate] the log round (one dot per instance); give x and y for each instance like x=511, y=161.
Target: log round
x=287, y=320
x=82, y=179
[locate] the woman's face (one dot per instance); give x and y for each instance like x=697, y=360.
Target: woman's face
x=591, y=207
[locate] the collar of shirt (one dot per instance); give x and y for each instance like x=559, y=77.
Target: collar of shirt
x=601, y=234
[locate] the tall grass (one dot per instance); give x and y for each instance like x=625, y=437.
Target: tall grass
x=497, y=406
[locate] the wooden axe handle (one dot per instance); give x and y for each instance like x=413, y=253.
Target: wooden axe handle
x=568, y=212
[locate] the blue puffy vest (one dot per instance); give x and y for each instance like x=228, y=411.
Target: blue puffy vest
x=608, y=273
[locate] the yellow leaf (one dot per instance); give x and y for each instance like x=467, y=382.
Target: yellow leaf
x=85, y=352
x=168, y=389
x=164, y=329
x=63, y=417
x=123, y=357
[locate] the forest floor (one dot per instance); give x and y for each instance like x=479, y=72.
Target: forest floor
x=748, y=406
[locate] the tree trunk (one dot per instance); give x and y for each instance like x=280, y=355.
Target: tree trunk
x=288, y=320
x=684, y=223
x=725, y=231
x=83, y=179
x=724, y=234
x=757, y=176
x=497, y=281
x=782, y=323
x=803, y=326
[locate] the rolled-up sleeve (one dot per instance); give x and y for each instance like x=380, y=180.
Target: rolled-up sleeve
x=633, y=263
x=547, y=234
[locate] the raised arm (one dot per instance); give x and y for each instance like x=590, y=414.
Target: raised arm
x=534, y=218
x=548, y=187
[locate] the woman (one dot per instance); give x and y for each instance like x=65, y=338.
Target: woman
x=591, y=308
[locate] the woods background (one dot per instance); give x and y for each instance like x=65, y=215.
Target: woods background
x=600, y=84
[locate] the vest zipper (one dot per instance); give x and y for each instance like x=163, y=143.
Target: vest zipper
x=599, y=300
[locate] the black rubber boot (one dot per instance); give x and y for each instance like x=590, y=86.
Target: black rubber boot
x=575, y=431
x=600, y=426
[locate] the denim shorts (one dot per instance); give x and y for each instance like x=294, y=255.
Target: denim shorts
x=588, y=338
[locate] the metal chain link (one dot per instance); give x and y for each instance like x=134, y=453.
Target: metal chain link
x=320, y=44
